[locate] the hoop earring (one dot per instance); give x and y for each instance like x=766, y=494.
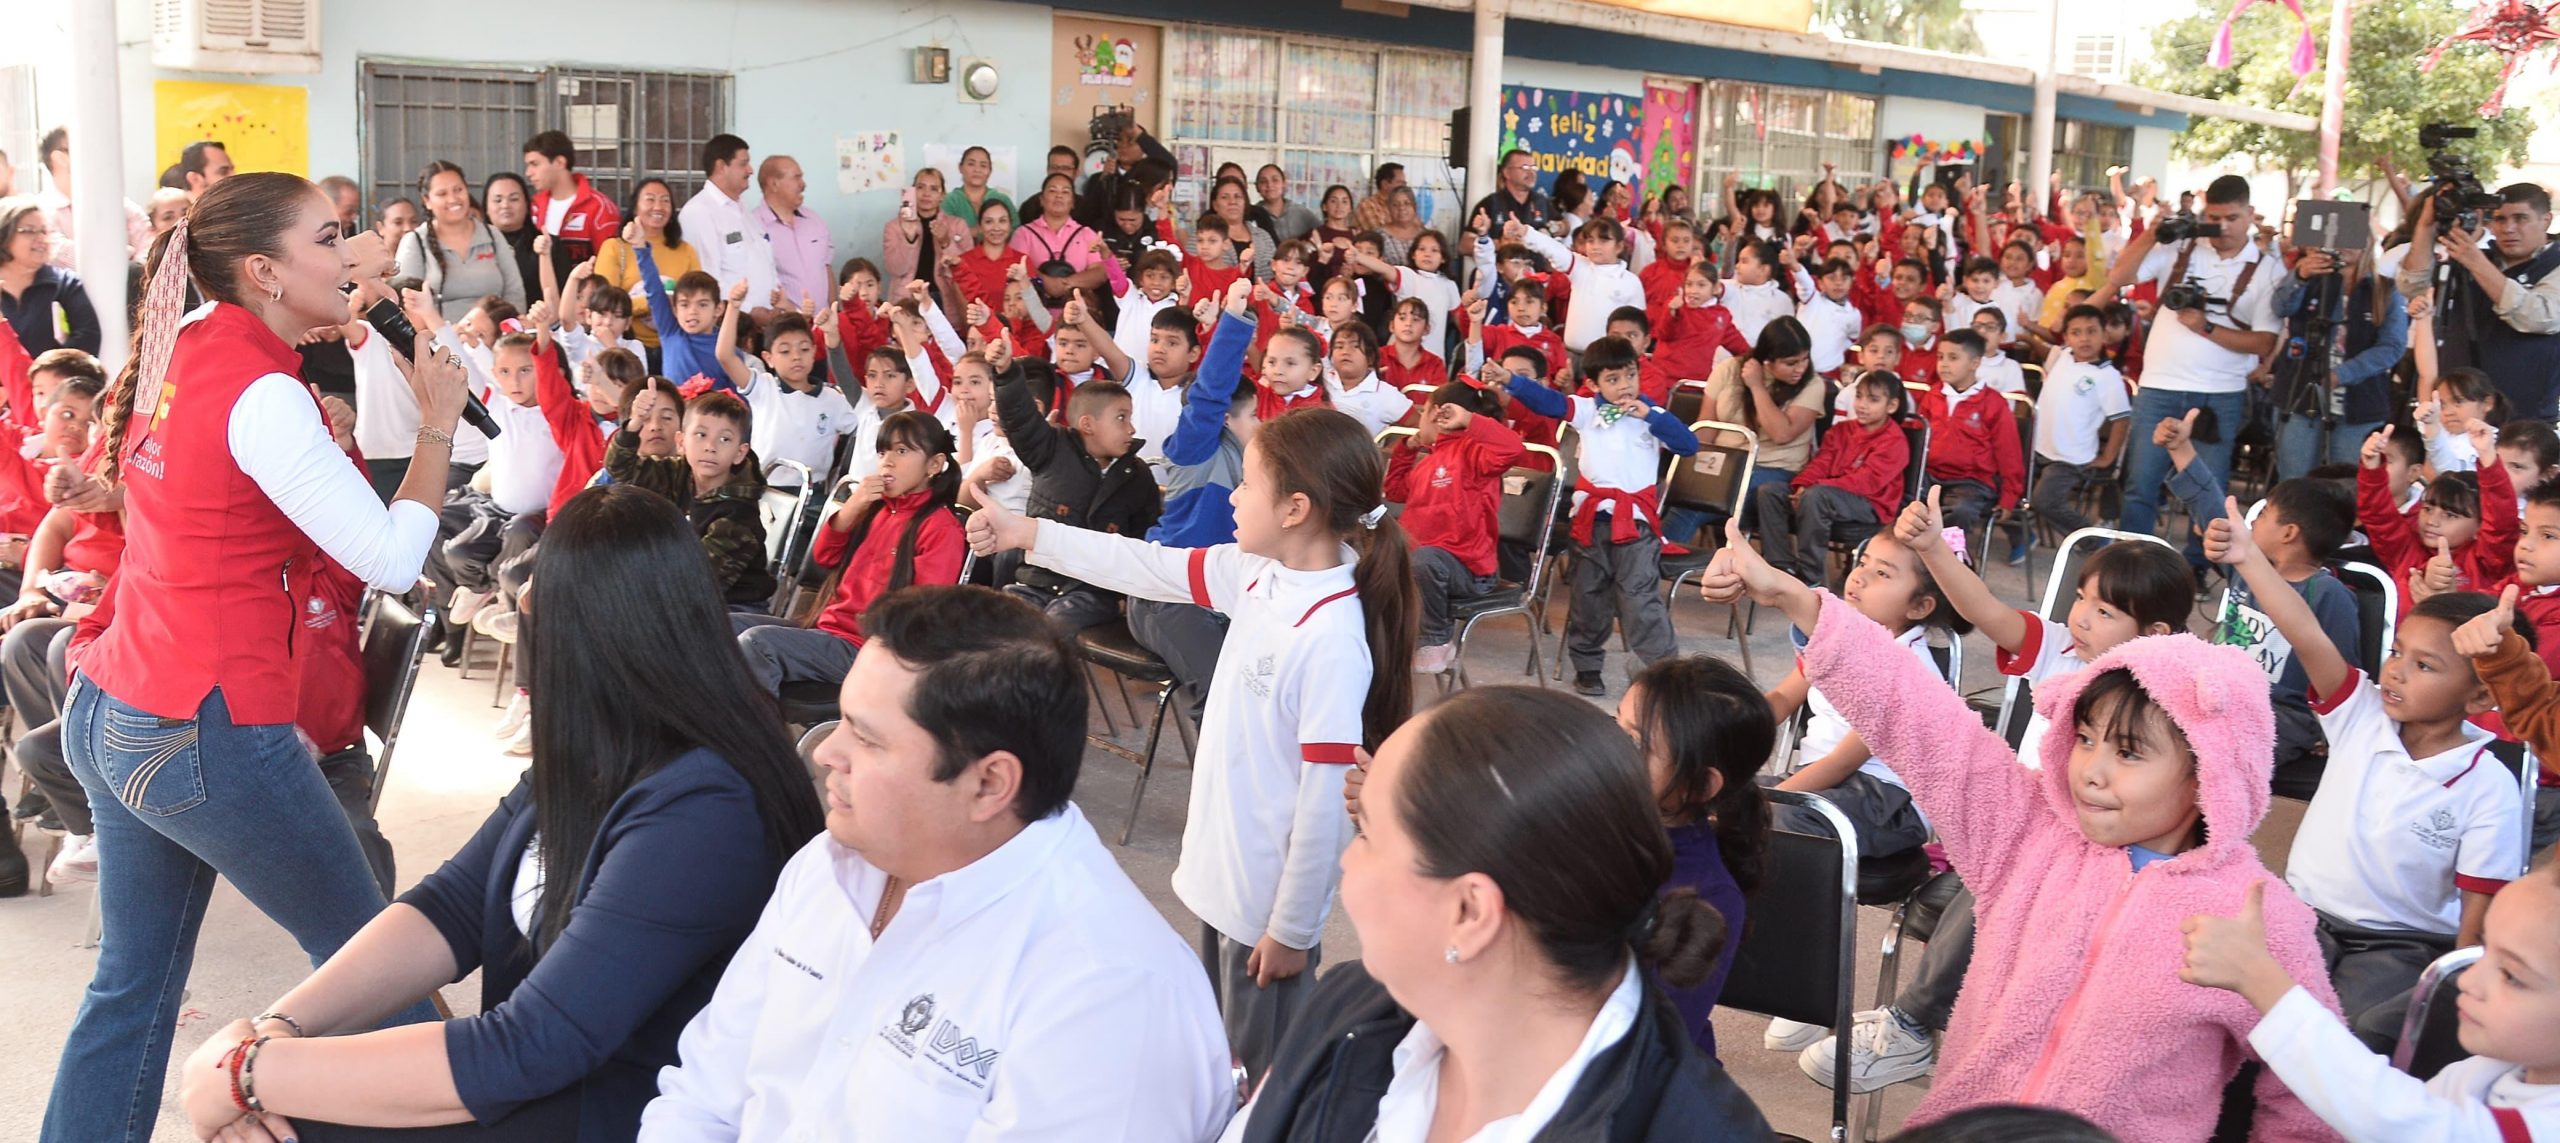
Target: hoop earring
x=275, y=294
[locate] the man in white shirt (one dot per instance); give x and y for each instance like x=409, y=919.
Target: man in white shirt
x=55, y=152
x=2198, y=356
x=726, y=238
x=958, y=957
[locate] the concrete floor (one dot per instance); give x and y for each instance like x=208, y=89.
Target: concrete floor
x=449, y=774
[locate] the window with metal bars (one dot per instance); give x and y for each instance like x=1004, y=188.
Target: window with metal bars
x=2083, y=151
x=1328, y=112
x=626, y=125
x=1779, y=137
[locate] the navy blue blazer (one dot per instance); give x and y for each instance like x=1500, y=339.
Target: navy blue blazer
x=674, y=883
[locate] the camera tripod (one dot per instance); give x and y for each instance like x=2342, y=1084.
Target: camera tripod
x=2307, y=375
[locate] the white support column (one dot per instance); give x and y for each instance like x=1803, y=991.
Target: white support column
x=2040, y=123
x=1484, y=100
x=97, y=170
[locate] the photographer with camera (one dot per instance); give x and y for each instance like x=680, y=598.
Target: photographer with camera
x=2344, y=330
x=2509, y=279
x=2216, y=319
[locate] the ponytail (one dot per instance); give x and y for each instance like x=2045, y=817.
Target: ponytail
x=164, y=304
x=1324, y=455
x=920, y=430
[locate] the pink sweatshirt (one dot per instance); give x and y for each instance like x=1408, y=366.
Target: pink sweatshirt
x=2073, y=1000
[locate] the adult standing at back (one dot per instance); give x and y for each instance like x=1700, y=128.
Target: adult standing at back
x=1517, y=199
x=914, y=240
x=2200, y=356
x=201, y=166
x=180, y=719
x=506, y=201
x=1065, y=254
x=55, y=151
x=565, y=205
x=725, y=237
x=2501, y=312
x=1284, y=219
x=1375, y=211
x=804, y=250
x=456, y=258
x=976, y=166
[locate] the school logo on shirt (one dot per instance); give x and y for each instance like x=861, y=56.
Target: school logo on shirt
x=2437, y=830
x=919, y=1013
x=956, y=1052
x=1258, y=678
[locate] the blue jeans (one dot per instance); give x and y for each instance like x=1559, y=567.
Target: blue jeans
x=2149, y=464
x=179, y=802
x=2298, y=445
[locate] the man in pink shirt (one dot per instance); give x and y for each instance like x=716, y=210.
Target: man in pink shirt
x=55, y=153
x=804, y=252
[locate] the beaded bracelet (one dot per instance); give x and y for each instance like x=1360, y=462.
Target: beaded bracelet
x=230, y=1062
x=246, y=1077
x=281, y=1018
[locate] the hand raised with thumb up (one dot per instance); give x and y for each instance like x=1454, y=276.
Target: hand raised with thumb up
x=995, y=528
x=2230, y=953
x=2485, y=631
x=2228, y=541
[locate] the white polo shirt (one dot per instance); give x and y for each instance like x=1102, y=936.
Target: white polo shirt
x=1622, y=454
x=1961, y=308
x=2389, y=839
x=2180, y=360
x=1753, y=307
x=2020, y=303
x=797, y=426
x=1834, y=326
x=1033, y=994
x=2002, y=374
x=2078, y=400
x=1154, y=410
x=1372, y=402
x=2047, y=653
x=1263, y=850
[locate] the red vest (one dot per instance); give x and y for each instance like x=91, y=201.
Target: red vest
x=215, y=579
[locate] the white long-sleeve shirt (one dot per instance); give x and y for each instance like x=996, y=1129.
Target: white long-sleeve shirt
x=729, y=243
x=1263, y=850
x=1031, y=995
x=795, y=425
x=280, y=443
x=2478, y=1100
x=1754, y=307
x=1598, y=290
x=524, y=460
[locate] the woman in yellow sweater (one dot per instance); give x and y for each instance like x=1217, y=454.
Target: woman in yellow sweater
x=653, y=206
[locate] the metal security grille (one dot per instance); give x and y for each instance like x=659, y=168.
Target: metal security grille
x=475, y=118
x=2083, y=151
x=1779, y=137
x=625, y=124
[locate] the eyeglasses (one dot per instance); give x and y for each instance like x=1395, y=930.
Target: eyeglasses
x=28, y=231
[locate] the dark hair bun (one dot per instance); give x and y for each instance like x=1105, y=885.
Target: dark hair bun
x=1688, y=938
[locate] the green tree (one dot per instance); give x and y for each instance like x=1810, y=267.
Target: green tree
x=2387, y=96
x=1938, y=25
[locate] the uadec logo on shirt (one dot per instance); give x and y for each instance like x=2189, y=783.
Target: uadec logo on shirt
x=948, y=1048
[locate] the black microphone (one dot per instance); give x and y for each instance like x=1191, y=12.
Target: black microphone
x=386, y=319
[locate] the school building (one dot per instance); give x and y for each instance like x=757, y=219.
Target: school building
x=863, y=92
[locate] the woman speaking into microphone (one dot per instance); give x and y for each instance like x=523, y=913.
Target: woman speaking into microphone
x=180, y=720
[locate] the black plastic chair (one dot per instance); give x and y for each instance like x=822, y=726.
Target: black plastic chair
x=2061, y=586
x=1717, y=478
x=2428, y=1035
x=2377, y=612
x=1111, y=647
x=1797, y=957
x=1529, y=500
x=395, y=643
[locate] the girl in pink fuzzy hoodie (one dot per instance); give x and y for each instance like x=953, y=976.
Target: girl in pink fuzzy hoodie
x=2083, y=872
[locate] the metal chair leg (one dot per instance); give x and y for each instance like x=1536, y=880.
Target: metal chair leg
x=498, y=679
x=1110, y=729
x=1147, y=768
x=1126, y=703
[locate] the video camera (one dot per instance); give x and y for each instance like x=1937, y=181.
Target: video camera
x=2452, y=187
x=2185, y=225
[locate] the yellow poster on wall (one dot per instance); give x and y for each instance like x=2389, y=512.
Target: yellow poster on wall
x=264, y=127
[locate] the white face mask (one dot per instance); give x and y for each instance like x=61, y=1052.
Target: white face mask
x=1915, y=333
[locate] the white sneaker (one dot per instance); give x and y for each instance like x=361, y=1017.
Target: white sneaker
x=1433, y=659
x=519, y=713
x=466, y=604
x=1792, y=1035
x=1882, y=1052
x=521, y=746
x=78, y=860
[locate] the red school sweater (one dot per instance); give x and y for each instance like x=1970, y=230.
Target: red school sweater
x=1452, y=491
x=1975, y=438
x=573, y=427
x=2481, y=565
x=1544, y=339
x=1869, y=462
x=1684, y=349
x=940, y=548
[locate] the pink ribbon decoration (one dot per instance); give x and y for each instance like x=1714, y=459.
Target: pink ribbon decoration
x=2305, y=54
x=2512, y=28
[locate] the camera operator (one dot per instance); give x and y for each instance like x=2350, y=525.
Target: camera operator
x=2205, y=340
x=2368, y=331
x=2510, y=278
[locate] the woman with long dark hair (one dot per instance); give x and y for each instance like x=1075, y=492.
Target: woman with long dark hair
x=1506, y=885
x=600, y=901
x=1775, y=393
x=507, y=203
x=455, y=257
x=180, y=720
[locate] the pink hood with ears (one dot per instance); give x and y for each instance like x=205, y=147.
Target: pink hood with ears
x=2073, y=998
x=2218, y=698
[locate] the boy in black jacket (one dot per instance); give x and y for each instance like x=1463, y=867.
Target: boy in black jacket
x=1086, y=474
